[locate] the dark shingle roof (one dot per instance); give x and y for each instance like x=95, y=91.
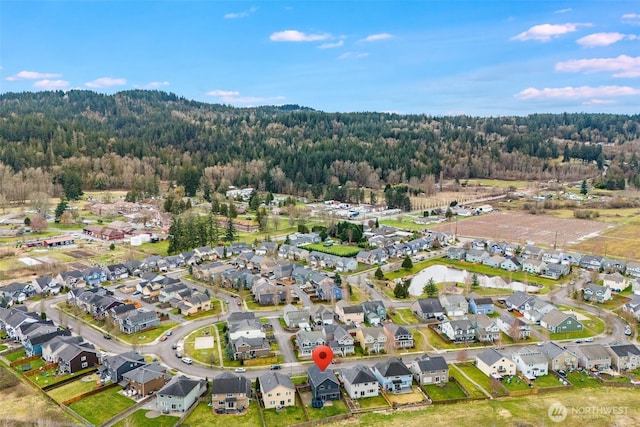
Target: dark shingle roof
x=227, y=382
x=271, y=380
x=359, y=374
x=179, y=386
x=431, y=363
x=392, y=367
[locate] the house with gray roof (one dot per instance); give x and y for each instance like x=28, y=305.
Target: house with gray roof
x=593, y=356
x=559, y=357
x=456, y=253
x=556, y=321
x=532, y=363
x=518, y=300
x=459, y=330
x=359, y=382
x=230, y=393
x=398, y=336
x=146, y=379
x=179, y=394
x=428, y=369
x=625, y=357
x=276, y=390
x=138, y=320
x=428, y=309
x=375, y=312
x=454, y=304
x=596, y=293
x=349, y=314
x=307, y=341
x=513, y=326
x=393, y=375
x=295, y=317
x=478, y=304
x=324, y=384
x=74, y=357
x=114, y=367
x=495, y=364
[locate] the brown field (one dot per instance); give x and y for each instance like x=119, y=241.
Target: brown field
x=623, y=241
x=80, y=254
x=513, y=227
x=78, y=265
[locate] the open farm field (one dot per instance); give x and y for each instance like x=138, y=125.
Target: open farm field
x=622, y=241
x=515, y=227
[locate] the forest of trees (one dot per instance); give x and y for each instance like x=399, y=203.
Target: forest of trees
x=69, y=142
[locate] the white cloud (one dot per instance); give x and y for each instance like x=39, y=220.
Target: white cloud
x=546, y=32
x=621, y=66
x=32, y=75
x=567, y=10
x=376, y=37
x=353, y=55
x=156, y=84
x=631, y=16
x=604, y=39
x=103, y=82
x=577, y=92
x=233, y=97
x=331, y=45
x=242, y=14
x=297, y=36
x=598, y=102
x=51, y=84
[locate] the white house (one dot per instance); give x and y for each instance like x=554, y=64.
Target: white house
x=531, y=363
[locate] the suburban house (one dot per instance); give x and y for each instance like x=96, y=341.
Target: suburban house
x=534, y=266
x=476, y=255
x=518, y=301
x=114, y=367
x=296, y=317
x=428, y=309
x=138, y=320
x=307, y=341
x=610, y=265
x=494, y=261
x=478, y=304
x=393, y=375
x=557, y=321
x=486, y=328
x=46, y=285
x=593, y=356
x=340, y=341
x=51, y=348
x=350, y=314
x=179, y=394
x=359, y=382
x=374, y=312
x=456, y=253
x=33, y=344
x=454, y=305
x=625, y=357
x=556, y=271
x=230, y=394
x=324, y=384
x=633, y=306
x=12, y=318
x=371, y=339
x=74, y=357
x=250, y=348
x=494, y=364
x=117, y=272
x=245, y=328
x=591, y=262
x=430, y=370
x=633, y=269
x=276, y=390
x=532, y=363
x=459, y=331
x=400, y=336
x=596, y=293
x=147, y=379
x=536, y=308
x=559, y=357
x=195, y=303
x=513, y=326
x=321, y=315
x=616, y=281
x=511, y=264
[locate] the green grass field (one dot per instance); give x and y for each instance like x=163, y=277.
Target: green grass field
x=515, y=384
x=404, y=316
x=479, y=377
x=204, y=416
x=74, y=389
x=582, y=380
x=335, y=407
x=338, y=250
x=102, y=406
x=448, y=391
x=287, y=416
x=139, y=419
x=406, y=224
x=373, y=402
x=547, y=381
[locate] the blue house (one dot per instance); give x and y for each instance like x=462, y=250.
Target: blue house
x=94, y=276
x=324, y=385
x=480, y=305
x=33, y=345
x=393, y=375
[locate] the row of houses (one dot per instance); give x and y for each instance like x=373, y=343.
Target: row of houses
x=535, y=362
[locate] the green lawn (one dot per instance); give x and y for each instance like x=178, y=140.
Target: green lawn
x=102, y=406
x=288, y=416
x=208, y=356
x=3, y=347
x=447, y=391
x=204, y=416
x=546, y=381
x=146, y=337
x=74, y=389
x=216, y=308
x=404, y=316
x=139, y=419
x=478, y=376
x=373, y=402
x=405, y=224
x=338, y=250
x=335, y=407
x=582, y=380
x=49, y=377
x=16, y=355
x=514, y=383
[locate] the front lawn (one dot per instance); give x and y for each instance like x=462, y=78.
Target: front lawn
x=73, y=389
x=204, y=416
x=139, y=419
x=335, y=407
x=287, y=416
x=3, y=347
x=582, y=380
x=446, y=391
x=102, y=406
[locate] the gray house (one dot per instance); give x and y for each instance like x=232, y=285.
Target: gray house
x=324, y=384
x=138, y=320
x=430, y=370
x=179, y=394
x=114, y=367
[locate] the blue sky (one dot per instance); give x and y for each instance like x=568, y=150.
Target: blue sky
x=481, y=58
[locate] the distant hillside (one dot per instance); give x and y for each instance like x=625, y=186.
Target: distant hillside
x=132, y=139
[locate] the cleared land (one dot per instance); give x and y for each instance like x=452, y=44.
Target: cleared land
x=513, y=227
x=623, y=241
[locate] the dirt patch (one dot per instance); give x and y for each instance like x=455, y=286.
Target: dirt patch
x=153, y=414
x=80, y=254
x=510, y=227
x=77, y=265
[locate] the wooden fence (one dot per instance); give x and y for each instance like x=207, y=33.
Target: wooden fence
x=89, y=393
x=25, y=360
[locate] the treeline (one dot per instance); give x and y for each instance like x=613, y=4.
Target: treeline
x=134, y=139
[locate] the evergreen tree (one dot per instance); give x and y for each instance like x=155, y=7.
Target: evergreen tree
x=407, y=264
x=430, y=288
x=474, y=280
x=379, y=274
x=61, y=208
x=583, y=189
x=230, y=234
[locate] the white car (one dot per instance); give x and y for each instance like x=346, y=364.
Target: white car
x=241, y=370
x=187, y=360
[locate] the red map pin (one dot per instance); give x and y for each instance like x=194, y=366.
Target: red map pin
x=322, y=355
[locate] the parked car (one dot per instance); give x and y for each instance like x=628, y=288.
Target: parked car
x=241, y=370
x=174, y=346
x=627, y=331
x=588, y=340
x=239, y=303
x=276, y=367
x=187, y=360
x=178, y=355
x=106, y=336
x=562, y=373
x=169, y=333
x=164, y=338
